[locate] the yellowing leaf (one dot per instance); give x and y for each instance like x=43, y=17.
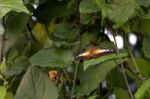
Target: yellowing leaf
x=51, y=27
x=2, y=92
x=40, y=33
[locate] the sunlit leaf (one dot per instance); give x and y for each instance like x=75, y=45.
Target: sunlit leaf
x=3, y=92
x=36, y=85
x=121, y=93
x=9, y=95
x=92, y=97
x=142, y=89
x=8, y=5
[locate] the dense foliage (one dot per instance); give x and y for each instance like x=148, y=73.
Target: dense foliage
x=40, y=40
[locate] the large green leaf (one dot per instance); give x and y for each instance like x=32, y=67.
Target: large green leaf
x=87, y=6
x=146, y=47
x=96, y=61
x=36, y=85
x=142, y=89
x=8, y=5
x=52, y=57
x=92, y=76
x=123, y=11
x=3, y=92
x=16, y=22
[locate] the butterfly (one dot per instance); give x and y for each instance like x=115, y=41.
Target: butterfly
x=93, y=52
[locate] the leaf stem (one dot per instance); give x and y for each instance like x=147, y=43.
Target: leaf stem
x=123, y=71
x=74, y=80
x=67, y=76
x=132, y=57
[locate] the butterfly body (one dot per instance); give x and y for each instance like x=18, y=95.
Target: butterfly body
x=93, y=52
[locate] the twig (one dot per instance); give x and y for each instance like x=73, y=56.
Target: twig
x=67, y=76
x=123, y=71
x=74, y=80
x=132, y=57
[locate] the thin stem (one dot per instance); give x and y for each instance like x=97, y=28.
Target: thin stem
x=67, y=76
x=74, y=81
x=123, y=71
x=132, y=57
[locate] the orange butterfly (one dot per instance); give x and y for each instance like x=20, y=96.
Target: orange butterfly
x=93, y=52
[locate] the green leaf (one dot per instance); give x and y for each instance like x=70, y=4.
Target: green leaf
x=15, y=66
x=92, y=76
x=96, y=61
x=145, y=3
x=86, y=39
x=65, y=44
x=146, y=47
x=147, y=15
x=104, y=7
x=65, y=31
x=86, y=18
x=3, y=92
x=36, y=85
x=143, y=65
x=9, y=95
x=87, y=6
x=121, y=94
x=142, y=89
x=144, y=25
x=16, y=22
x=92, y=97
x=123, y=11
x=52, y=57
x=8, y=5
